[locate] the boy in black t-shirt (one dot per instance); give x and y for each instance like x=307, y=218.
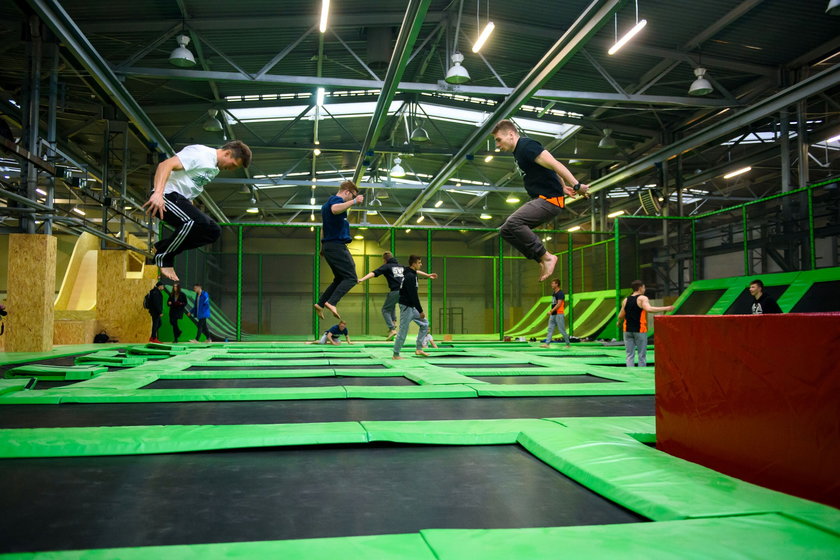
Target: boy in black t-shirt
x=546, y=181
x=393, y=273
x=331, y=335
x=763, y=303
x=410, y=308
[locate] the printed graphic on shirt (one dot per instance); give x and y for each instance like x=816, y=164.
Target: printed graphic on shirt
x=397, y=271
x=756, y=309
x=201, y=180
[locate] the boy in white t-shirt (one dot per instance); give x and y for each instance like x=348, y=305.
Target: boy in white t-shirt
x=180, y=179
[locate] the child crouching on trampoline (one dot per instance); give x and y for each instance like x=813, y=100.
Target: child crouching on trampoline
x=332, y=334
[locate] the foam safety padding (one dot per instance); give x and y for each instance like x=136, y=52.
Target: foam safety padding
x=755, y=397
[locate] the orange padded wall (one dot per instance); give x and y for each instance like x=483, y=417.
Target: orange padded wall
x=754, y=397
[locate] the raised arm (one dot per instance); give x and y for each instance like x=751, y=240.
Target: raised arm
x=342, y=206
x=549, y=162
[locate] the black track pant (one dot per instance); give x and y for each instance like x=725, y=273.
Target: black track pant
x=176, y=330
x=155, y=324
x=193, y=228
x=341, y=263
x=202, y=329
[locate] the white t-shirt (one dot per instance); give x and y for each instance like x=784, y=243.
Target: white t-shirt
x=427, y=340
x=200, y=168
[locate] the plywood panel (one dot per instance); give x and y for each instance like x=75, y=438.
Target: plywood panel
x=119, y=296
x=31, y=285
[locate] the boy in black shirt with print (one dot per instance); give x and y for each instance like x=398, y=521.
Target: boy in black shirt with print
x=410, y=308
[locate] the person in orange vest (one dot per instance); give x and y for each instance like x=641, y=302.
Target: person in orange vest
x=556, y=316
x=633, y=314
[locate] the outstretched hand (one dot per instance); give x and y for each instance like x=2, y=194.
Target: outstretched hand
x=155, y=205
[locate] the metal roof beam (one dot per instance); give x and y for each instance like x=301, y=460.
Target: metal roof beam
x=590, y=20
x=415, y=14
x=802, y=90
x=441, y=87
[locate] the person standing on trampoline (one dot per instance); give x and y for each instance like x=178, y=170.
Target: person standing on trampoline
x=556, y=316
x=201, y=312
x=762, y=303
x=336, y=236
x=177, y=303
x=180, y=179
x=410, y=308
x=546, y=181
x=634, y=310
x=393, y=272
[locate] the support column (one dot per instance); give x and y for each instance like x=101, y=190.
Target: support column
x=31, y=287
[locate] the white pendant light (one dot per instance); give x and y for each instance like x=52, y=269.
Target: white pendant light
x=700, y=86
x=607, y=142
x=833, y=8
x=212, y=124
x=181, y=56
x=397, y=170
x=457, y=74
x=419, y=134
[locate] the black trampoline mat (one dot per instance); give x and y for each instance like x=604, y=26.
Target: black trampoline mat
x=43, y=385
x=699, y=302
x=487, y=366
x=261, y=383
x=286, y=493
x=820, y=297
x=323, y=410
x=280, y=368
x=540, y=379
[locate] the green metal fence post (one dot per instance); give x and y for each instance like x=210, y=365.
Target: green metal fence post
x=501, y=291
x=316, y=279
x=259, y=293
x=444, y=323
x=617, y=266
x=694, y=264
x=746, y=245
x=239, y=284
x=569, y=288
x=811, y=236
x=429, y=271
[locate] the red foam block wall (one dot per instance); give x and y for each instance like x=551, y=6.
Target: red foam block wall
x=754, y=397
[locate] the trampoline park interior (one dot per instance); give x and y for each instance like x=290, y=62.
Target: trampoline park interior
x=710, y=141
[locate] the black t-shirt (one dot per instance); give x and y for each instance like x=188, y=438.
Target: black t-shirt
x=408, y=290
x=765, y=304
x=393, y=272
x=538, y=180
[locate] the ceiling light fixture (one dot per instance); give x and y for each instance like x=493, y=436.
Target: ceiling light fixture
x=421, y=218
x=358, y=236
x=485, y=216
x=253, y=210
x=316, y=152
x=372, y=212
x=573, y=229
x=181, y=55
x=397, y=170
x=512, y=199
x=319, y=96
x=833, y=8
x=419, y=134
x=42, y=192
x=640, y=24
x=312, y=217
x=325, y=12
x=439, y=203
x=212, y=124
x=457, y=74
x=615, y=214
x=488, y=159
x=607, y=141
x=79, y=211
x=485, y=34
x=700, y=86
x=737, y=172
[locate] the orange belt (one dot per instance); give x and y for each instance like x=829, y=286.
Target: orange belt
x=558, y=201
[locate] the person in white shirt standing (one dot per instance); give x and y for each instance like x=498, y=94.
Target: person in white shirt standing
x=180, y=179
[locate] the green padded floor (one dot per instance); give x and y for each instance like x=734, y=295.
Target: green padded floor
x=695, y=512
